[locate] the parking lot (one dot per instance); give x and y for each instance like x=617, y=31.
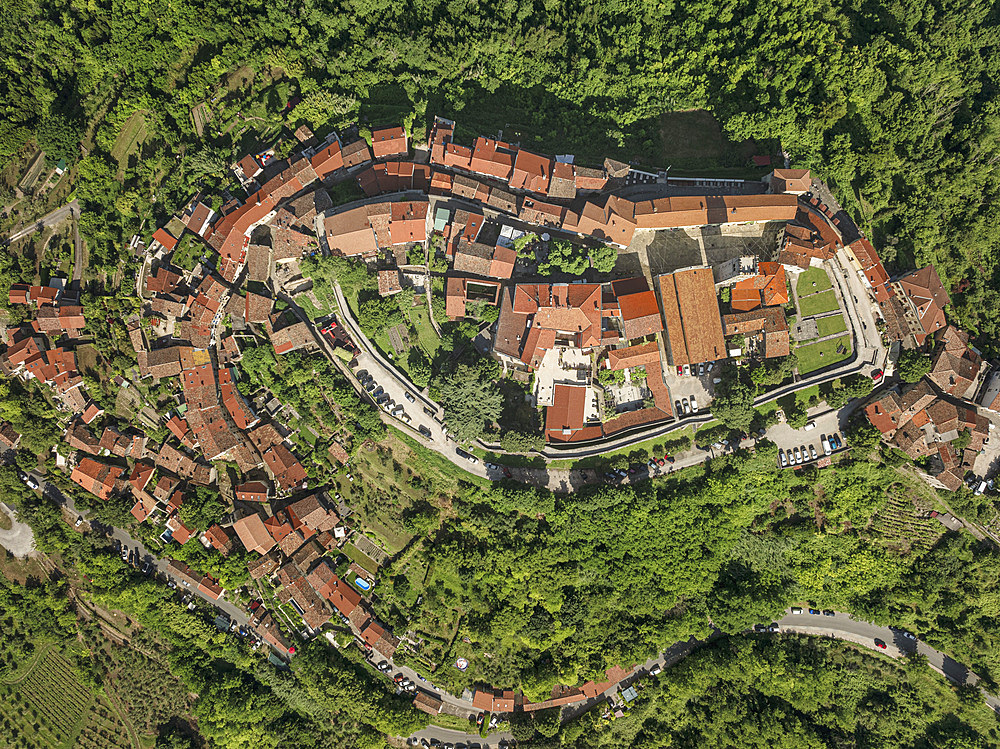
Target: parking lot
x=807, y=440
x=683, y=387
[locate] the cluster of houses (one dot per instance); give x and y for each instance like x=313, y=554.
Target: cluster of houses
x=44, y=347
x=937, y=418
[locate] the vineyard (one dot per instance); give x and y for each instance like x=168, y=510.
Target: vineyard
x=49, y=708
x=904, y=525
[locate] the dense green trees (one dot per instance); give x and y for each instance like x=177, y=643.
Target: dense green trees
x=792, y=692
x=471, y=401
x=913, y=365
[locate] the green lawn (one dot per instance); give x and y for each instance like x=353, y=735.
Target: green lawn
x=362, y=560
x=823, y=354
x=830, y=325
x=818, y=303
x=812, y=280
x=427, y=338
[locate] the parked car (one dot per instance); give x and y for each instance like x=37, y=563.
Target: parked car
x=877, y=375
x=797, y=455
x=669, y=458
x=694, y=405
x=805, y=454
x=687, y=370
x=30, y=481
x=685, y=405
x=783, y=459
x=815, y=612
x=680, y=370
x=467, y=455
x=825, y=443
x=701, y=369
x=829, y=612
x=908, y=635
x=409, y=396
x=879, y=644
x=424, y=430
x=79, y=521
x=796, y=610
x=810, y=426
x=678, y=408
x=812, y=452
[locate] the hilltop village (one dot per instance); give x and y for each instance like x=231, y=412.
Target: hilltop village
x=725, y=271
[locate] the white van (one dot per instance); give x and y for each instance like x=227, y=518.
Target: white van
x=811, y=425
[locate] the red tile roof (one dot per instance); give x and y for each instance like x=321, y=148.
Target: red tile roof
x=691, y=311
x=389, y=141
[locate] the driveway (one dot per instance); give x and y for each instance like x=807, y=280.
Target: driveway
x=19, y=540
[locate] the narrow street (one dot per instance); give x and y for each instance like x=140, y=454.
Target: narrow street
x=52, y=492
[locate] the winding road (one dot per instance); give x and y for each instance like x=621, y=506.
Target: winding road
x=70, y=210
x=840, y=626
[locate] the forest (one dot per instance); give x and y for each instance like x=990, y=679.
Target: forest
x=788, y=692
x=893, y=102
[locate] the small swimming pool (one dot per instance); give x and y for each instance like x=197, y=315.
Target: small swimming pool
x=363, y=584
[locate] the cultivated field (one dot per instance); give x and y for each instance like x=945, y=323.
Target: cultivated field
x=133, y=132
x=49, y=708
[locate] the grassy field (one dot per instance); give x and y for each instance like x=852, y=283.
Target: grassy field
x=420, y=320
x=49, y=708
x=830, y=325
x=817, y=304
x=813, y=280
x=132, y=134
x=818, y=355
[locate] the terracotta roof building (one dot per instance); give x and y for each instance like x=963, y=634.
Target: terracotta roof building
x=765, y=330
x=100, y=479
x=566, y=415
x=637, y=308
x=792, y=181
x=389, y=141
x=925, y=299
x=693, y=320
x=768, y=287
x=254, y=534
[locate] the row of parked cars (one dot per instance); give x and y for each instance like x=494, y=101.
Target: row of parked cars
x=695, y=370
x=686, y=406
x=382, y=399
x=794, y=456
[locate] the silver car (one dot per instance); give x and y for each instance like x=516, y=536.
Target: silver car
x=798, y=456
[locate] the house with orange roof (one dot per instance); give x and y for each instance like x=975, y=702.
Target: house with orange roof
x=769, y=287
x=923, y=298
x=254, y=534
x=791, y=181
x=388, y=142
x=100, y=479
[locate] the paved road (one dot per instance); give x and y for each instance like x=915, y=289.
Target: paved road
x=53, y=492
x=396, y=385
x=840, y=626
x=50, y=219
x=843, y=627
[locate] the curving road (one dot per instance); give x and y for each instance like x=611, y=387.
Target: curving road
x=840, y=626
x=50, y=219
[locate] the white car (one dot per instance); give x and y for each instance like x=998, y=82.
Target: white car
x=701, y=369
x=812, y=452
x=798, y=456
x=687, y=408
x=784, y=460
x=687, y=369
x=409, y=396
x=694, y=405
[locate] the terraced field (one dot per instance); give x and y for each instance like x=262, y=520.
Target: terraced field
x=49, y=708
